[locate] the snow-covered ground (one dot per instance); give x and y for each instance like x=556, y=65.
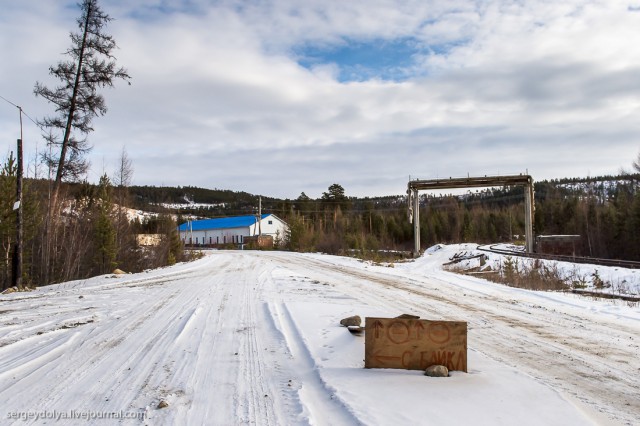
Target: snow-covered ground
x=144, y=216
x=611, y=279
x=254, y=337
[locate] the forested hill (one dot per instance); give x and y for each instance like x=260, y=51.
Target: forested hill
x=188, y=194
x=600, y=187
x=191, y=199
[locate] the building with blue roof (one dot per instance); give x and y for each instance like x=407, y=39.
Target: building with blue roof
x=232, y=230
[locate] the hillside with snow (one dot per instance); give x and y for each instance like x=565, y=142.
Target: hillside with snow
x=254, y=337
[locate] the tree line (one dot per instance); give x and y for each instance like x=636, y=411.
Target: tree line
x=91, y=232
x=605, y=212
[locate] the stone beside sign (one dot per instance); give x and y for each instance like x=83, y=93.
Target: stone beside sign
x=413, y=344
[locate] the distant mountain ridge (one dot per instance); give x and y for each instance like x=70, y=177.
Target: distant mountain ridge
x=192, y=197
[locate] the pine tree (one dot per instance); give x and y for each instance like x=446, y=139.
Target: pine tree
x=335, y=197
x=30, y=219
x=104, y=231
x=8, y=174
x=633, y=229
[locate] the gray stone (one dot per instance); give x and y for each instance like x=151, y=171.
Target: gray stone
x=351, y=321
x=163, y=404
x=437, y=371
x=354, y=329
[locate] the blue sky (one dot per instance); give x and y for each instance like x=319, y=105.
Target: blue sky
x=277, y=97
x=362, y=60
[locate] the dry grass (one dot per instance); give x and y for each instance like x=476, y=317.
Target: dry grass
x=533, y=274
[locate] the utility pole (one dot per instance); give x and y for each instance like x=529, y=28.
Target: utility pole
x=17, y=254
x=259, y=218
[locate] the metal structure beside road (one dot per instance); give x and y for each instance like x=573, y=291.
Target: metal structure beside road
x=414, y=186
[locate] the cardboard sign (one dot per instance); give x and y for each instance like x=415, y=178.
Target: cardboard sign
x=414, y=344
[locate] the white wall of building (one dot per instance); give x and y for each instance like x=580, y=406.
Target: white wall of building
x=271, y=225
x=215, y=236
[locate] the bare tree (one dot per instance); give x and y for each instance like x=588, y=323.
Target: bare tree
x=122, y=179
x=636, y=164
x=125, y=238
x=77, y=101
x=124, y=174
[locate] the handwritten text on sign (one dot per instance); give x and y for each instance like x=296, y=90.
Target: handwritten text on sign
x=415, y=344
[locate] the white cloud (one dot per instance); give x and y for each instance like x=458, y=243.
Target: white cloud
x=218, y=100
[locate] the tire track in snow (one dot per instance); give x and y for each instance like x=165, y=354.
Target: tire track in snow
x=253, y=369
x=132, y=357
x=197, y=371
x=230, y=359
x=94, y=342
x=320, y=407
x=41, y=352
x=121, y=361
x=131, y=340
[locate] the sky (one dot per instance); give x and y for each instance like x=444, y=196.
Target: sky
x=281, y=97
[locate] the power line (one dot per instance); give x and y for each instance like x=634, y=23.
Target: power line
x=21, y=110
x=32, y=120
x=8, y=101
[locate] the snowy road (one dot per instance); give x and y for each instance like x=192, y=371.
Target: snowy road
x=253, y=338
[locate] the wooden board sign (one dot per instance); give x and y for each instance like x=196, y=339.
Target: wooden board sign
x=414, y=344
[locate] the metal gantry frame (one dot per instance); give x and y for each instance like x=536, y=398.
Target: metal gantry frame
x=413, y=199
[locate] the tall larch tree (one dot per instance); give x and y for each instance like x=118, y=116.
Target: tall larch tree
x=89, y=67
